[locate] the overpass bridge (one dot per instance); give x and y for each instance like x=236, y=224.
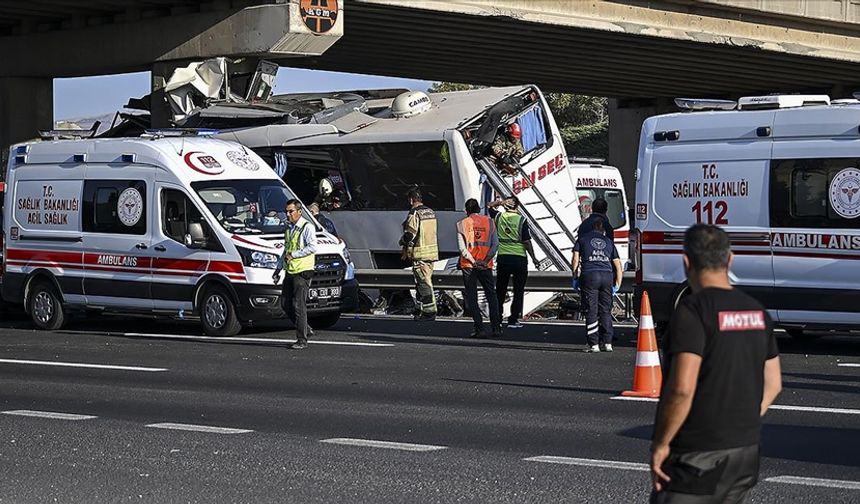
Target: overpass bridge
x=640, y=53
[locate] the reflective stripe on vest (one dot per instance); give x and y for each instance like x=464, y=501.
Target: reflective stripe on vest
x=477, y=231
x=424, y=246
x=292, y=242
x=510, y=226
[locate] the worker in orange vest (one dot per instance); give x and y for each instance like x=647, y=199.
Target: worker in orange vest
x=478, y=242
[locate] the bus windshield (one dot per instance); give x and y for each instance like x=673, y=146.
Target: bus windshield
x=253, y=206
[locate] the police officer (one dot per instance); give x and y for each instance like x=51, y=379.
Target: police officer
x=300, y=246
x=598, y=257
x=514, y=242
x=507, y=149
x=420, y=247
x=478, y=243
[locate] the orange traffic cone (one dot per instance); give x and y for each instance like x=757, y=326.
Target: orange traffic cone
x=647, y=376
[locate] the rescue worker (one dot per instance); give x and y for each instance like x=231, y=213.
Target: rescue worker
x=507, y=149
x=420, y=247
x=322, y=219
x=599, y=258
x=722, y=374
x=300, y=245
x=514, y=242
x=599, y=207
x=478, y=243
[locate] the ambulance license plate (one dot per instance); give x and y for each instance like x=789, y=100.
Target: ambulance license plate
x=324, y=292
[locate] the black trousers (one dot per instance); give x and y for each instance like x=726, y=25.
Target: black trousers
x=471, y=278
x=506, y=267
x=294, y=301
x=710, y=477
x=597, y=286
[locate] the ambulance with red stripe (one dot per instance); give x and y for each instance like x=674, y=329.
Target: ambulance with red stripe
x=781, y=174
x=181, y=226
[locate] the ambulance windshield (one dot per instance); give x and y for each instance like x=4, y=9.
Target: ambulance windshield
x=614, y=199
x=246, y=206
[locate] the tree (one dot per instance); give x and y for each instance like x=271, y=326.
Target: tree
x=582, y=120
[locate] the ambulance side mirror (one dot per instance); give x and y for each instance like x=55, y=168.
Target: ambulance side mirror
x=195, y=239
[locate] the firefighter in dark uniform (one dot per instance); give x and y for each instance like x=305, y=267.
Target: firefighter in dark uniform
x=507, y=149
x=420, y=247
x=598, y=257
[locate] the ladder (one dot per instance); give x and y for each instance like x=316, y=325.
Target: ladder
x=548, y=230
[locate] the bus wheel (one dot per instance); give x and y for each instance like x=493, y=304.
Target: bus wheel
x=45, y=307
x=324, y=321
x=218, y=313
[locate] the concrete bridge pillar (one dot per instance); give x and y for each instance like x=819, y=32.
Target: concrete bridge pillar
x=26, y=106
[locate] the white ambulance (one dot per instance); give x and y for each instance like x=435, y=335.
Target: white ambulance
x=781, y=174
x=177, y=226
x=593, y=180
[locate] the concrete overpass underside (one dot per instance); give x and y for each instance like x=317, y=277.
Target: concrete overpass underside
x=616, y=49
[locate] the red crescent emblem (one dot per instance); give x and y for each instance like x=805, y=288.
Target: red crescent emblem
x=204, y=164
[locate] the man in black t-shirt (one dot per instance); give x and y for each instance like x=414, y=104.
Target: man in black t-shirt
x=723, y=372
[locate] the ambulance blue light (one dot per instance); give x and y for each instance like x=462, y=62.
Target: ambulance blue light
x=128, y=158
x=22, y=149
x=79, y=158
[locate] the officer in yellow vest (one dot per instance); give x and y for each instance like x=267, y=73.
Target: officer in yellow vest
x=514, y=242
x=300, y=246
x=419, y=246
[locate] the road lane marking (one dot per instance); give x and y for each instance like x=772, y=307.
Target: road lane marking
x=245, y=340
x=612, y=464
x=638, y=399
x=82, y=365
x=48, y=414
x=848, y=364
x=369, y=443
x=816, y=482
x=838, y=411
x=198, y=428
x=812, y=409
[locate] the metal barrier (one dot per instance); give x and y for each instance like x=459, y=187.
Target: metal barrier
x=541, y=281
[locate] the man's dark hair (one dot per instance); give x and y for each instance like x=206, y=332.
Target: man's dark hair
x=707, y=247
x=294, y=201
x=598, y=226
x=414, y=194
x=472, y=206
x=599, y=206
x=515, y=202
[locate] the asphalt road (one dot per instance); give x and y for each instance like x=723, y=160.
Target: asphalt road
x=174, y=417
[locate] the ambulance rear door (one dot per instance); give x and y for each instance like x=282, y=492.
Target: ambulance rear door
x=715, y=174
x=815, y=216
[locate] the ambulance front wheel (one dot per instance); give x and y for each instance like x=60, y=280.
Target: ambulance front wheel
x=45, y=307
x=218, y=313
x=323, y=321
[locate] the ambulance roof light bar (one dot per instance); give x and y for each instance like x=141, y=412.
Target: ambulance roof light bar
x=69, y=133
x=704, y=104
x=781, y=101
x=179, y=132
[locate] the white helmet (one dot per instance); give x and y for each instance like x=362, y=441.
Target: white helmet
x=326, y=187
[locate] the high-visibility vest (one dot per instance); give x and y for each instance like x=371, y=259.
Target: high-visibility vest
x=293, y=242
x=510, y=226
x=477, y=231
x=424, y=246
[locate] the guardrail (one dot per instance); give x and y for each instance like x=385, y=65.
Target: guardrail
x=541, y=281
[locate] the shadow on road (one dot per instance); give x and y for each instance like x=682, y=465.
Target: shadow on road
x=533, y=386
x=802, y=443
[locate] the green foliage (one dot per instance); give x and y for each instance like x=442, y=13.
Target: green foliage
x=582, y=120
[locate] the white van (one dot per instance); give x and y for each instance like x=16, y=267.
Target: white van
x=597, y=180
x=782, y=176
x=174, y=226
